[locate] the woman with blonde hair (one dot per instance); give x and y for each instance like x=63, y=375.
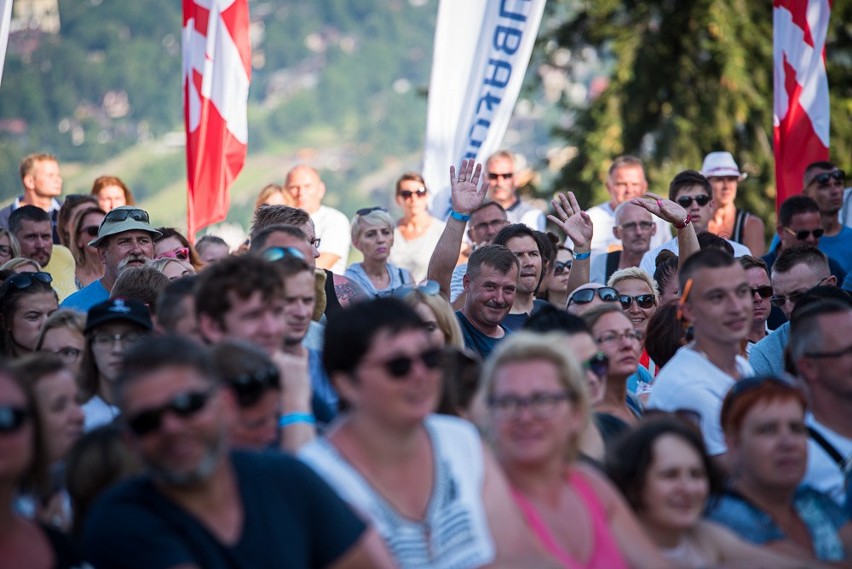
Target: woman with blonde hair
x=436, y=312
x=9, y=247
x=639, y=298
x=84, y=228
x=21, y=265
x=372, y=234
x=63, y=334
x=273, y=194
x=173, y=268
x=111, y=193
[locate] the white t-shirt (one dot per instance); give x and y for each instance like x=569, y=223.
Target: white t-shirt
x=522, y=212
x=332, y=227
x=691, y=381
x=603, y=220
x=823, y=473
x=414, y=255
x=647, y=263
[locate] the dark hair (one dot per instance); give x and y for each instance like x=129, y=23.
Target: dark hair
x=461, y=381
x=142, y=283
x=666, y=269
x=707, y=240
x=801, y=254
x=241, y=275
x=819, y=165
x=277, y=215
x=410, y=176
x=688, y=179
x=169, y=310
x=706, y=259
x=166, y=232
x=69, y=205
x=513, y=231
x=550, y=319
x=488, y=204
x=664, y=334
x=630, y=460
x=496, y=256
x=795, y=205
x=26, y=213
x=210, y=240
x=9, y=302
x=805, y=335
x=748, y=262
x=258, y=240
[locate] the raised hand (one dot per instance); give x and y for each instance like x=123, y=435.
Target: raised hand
x=665, y=209
x=575, y=222
x=466, y=197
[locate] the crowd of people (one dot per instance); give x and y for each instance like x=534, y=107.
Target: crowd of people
x=640, y=383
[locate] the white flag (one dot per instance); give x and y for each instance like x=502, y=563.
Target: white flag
x=5, y=22
x=481, y=53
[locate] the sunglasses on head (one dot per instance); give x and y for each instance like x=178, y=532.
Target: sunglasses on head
x=560, y=267
x=686, y=201
x=585, y=296
x=12, y=419
x=181, y=254
x=122, y=214
x=598, y=364
x=184, y=405
x=497, y=176
x=367, y=210
x=642, y=300
x=804, y=233
x=407, y=194
x=824, y=178
x=400, y=366
x=764, y=291
x=278, y=253
x=24, y=280
x=250, y=387
x=429, y=288
x=90, y=230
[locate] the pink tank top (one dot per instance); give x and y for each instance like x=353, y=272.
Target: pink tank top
x=605, y=552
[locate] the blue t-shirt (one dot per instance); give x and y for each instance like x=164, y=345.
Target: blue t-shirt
x=320, y=383
x=515, y=322
x=397, y=277
x=86, y=297
x=291, y=518
x=839, y=248
x=476, y=340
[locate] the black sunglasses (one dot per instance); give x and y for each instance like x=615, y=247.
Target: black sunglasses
x=561, y=267
x=250, y=387
x=781, y=300
x=585, y=296
x=495, y=175
x=804, y=233
x=366, y=210
x=278, y=253
x=24, y=280
x=764, y=291
x=407, y=194
x=184, y=405
x=823, y=179
x=686, y=201
x=122, y=214
x=399, y=366
x=598, y=364
x=12, y=419
x=91, y=230
x=642, y=300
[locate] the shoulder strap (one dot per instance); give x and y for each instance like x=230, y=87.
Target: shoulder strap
x=739, y=225
x=612, y=264
x=828, y=448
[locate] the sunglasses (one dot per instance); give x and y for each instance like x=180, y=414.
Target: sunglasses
x=367, y=210
x=400, y=366
x=496, y=176
x=184, y=405
x=181, y=254
x=277, y=253
x=825, y=178
x=804, y=233
x=407, y=194
x=780, y=300
x=22, y=281
x=764, y=291
x=585, y=296
x=429, y=288
x=90, y=230
x=250, y=387
x=598, y=364
x=122, y=214
x=642, y=300
x=686, y=201
x=643, y=225
x=12, y=419
x=561, y=267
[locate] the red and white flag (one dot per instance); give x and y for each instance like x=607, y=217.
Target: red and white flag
x=216, y=76
x=801, y=117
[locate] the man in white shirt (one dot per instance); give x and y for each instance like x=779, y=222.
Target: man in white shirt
x=634, y=227
x=500, y=169
x=625, y=181
x=332, y=226
x=42, y=185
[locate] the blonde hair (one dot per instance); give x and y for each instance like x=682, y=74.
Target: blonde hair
x=162, y=263
x=13, y=242
x=17, y=262
x=270, y=189
x=375, y=218
x=62, y=318
x=634, y=273
x=444, y=315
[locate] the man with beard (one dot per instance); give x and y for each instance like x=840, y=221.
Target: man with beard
x=200, y=505
x=31, y=227
x=521, y=241
x=125, y=239
x=634, y=227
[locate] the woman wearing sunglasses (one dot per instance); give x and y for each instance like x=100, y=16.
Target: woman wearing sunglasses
x=425, y=481
x=23, y=467
x=26, y=300
x=85, y=223
x=557, y=288
x=764, y=424
x=373, y=236
x=637, y=293
x=172, y=244
x=416, y=234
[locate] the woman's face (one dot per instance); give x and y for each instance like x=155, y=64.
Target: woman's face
x=616, y=337
x=16, y=445
x=676, y=486
x=5, y=249
x=62, y=416
x=276, y=198
x=108, y=352
x=638, y=315
x=89, y=230
x=111, y=197
x=436, y=335
x=171, y=247
x=771, y=447
x=375, y=242
x=175, y=270
x=68, y=344
x=531, y=415
x=564, y=260
x=29, y=317
x=411, y=197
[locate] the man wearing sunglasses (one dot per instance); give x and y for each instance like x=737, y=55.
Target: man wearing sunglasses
x=31, y=227
x=761, y=290
x=42, y=184
x=125, y=239
x=824, y=182
x=500, y=168
x=200, y=504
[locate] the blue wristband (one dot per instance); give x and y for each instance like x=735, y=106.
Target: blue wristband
x=581, y=256
x=295, y=418
x=460, y=216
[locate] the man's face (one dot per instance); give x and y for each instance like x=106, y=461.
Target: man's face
x=44, y=180
x=485, y=224
x=793, y=283
x=803, y=224
x=254, y=319
x=626, y=183
x=299, y=302
x=126, y=249
x=307, y=189
x=724, y=188
x=758, y=278
x=829, y=367
x=284, y=240
x=719, y=305
x=526, y=250
x=826, y=190
x=701, y=215
x=311, y=235
x=182, y=451
x=501, y=177
x=490, y=295
x=635, y=227
x=36, y=240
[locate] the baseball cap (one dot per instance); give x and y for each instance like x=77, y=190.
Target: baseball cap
x=114, y=309
x=121, y=219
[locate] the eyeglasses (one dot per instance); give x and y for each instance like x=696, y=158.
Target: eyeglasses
x=399, y=366
x=780, y=300
x=643, y=225
x=686, y=201
x=103, y=341
x=586, y=295
x=250, y=387
x=804, y=233
x=278, y=253
x=429, y=288
x=367, y=210
x=497, y=176
x=182, y=254
x=407, y=194
x=824, y=178
x=831, y=355
x=68, y=354
x=541, y=404
x=764, y=291
x=642, y=300
x=24, y=280
x=560, y=267
x=12, y=419
x=598, y=364
x=90, y=230
x=610, y=337
x=122, y=214
x=315, y=242
x=184, y=406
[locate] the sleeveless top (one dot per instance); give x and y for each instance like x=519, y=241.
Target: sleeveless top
x=605, y=552
x=454, y=533
x=739, y=225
